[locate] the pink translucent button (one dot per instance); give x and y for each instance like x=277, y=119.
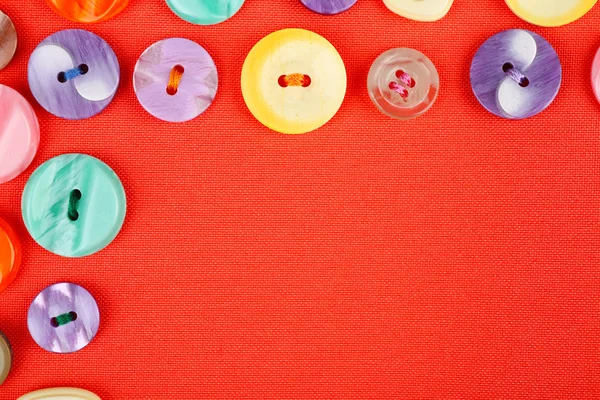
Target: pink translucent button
x=175, y=80
x=19, y=134
x=403, y=83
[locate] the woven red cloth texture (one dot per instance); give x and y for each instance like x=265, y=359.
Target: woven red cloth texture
x=452, y=256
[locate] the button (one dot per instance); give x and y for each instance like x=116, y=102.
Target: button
x=20, y=138
x=205, y=12
x=8, y=40
x=596, y=75
x=550, y=12
x=5, y=357
x=403, y=83
x=293, y=81
x=175, y=80
x=328, y=7
x=516, y=74
x=63, y=318
x=88, y=11
x=74, y=74
x=420, y=10
x=74, y=205
x=60, y=394
x=10, y=255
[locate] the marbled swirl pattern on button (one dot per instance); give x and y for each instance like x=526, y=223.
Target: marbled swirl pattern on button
x=88, y=11
x=101, y=208
x=83, y=96
x=196, y=90
x=328, y=7
x=57, y=300
x=8, y=40
x=526, y=52
x=19, y=134
x=205, y=12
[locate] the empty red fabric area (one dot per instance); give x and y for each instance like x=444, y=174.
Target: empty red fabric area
x=451, y=256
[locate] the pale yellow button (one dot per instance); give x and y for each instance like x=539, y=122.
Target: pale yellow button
x=420, y=10
x=550, y=12
x=293, y=81
x=60, y=394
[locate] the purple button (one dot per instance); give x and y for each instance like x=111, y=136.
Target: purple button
x=175, y=80
x=516, y=74
x=328, y=7
x=63, y=318
x=73, y=74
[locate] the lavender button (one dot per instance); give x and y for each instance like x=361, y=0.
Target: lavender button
x=328, y=7
x=63, y=318
x=516, y=74
x=175, y=80
x=73, y=74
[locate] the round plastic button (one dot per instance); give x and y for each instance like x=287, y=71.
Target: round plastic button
x=205, y=12
x=10, y=255
x=403, y=83
x=516, y=74
x=88, y=10
x=175, y=80
x=74, y=74
x=328, y=7
x=419, y=10
x=8, y=40
x=74, y=205
x=19, y=138
x=293, y=81
x=62, y=393
x=596, y=75
x=63, y=318
x=5, y=357
x=550, y=12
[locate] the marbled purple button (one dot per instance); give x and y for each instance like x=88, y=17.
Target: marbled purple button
x=328, y=7
x=63, y=318
x=516, y=74
x=73, y=74
x=175, y=80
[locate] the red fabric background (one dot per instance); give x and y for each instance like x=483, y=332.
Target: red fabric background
x=453, y=256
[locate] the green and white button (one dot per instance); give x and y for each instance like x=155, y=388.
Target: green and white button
x=74, y=205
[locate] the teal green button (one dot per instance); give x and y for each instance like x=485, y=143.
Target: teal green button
x=74, y=205
x=205, y=12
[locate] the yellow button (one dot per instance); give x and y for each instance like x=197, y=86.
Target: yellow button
x=420, y=10
x=293, y=81
x=550, y=12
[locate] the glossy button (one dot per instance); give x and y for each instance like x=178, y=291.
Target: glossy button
x=19, y=134
x=5, y=357
x=74, y=74
x=62, y=393
x=550, y=12
x=205, y=12
x=175, y=80
x=596, y=75
x=88, y=10
x=328, y=7
x=516, y=74
x=10, y=255
x=63, y=318
x=293, y=81
x=403, y=83
x=8, y=40
x=74, y=205
x=420, y=10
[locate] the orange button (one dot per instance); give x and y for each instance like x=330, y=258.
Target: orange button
x=88, y=11
x=10, y=255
